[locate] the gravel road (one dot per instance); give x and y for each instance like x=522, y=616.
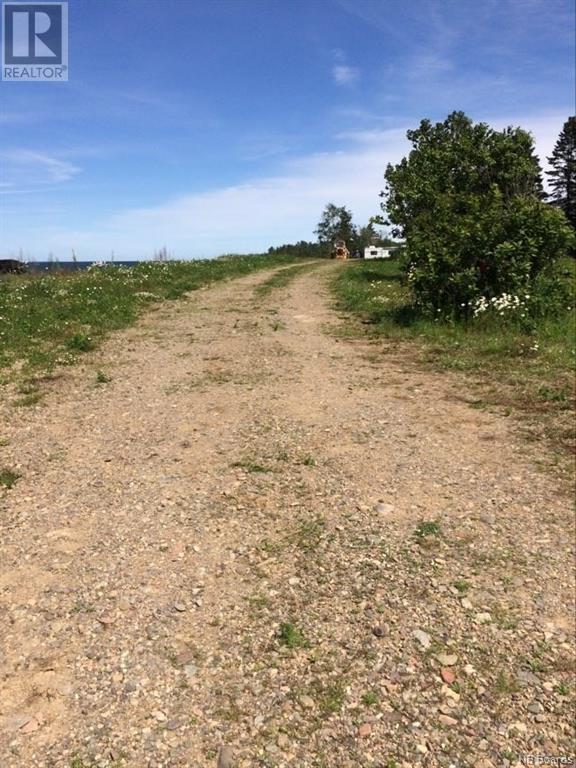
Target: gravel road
x=262, y=536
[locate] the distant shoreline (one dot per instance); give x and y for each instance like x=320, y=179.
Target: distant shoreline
x=74, y=266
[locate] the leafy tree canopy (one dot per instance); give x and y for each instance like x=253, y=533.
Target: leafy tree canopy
x=468, y=201
x=335, y=224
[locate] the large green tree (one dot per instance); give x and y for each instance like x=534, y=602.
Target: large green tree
x=468, y=201
x=336, y=224
x=366, y=236
x=563, y=173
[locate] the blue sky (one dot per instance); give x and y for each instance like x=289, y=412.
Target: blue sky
x=212, y=126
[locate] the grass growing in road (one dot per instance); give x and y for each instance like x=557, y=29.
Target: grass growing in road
x=462, y=586
x=331, y=698
x=292, y=637
x=309, y=533
x=49, y=320
x=370, y=699
x=519, y=370
x=427, y=528
x=250, y=466
x=27, y=400
x=8, y=477
x=77, y=762
x=282, y=278
x=102, y=378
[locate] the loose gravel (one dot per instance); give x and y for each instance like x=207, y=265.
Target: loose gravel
x=260, y=544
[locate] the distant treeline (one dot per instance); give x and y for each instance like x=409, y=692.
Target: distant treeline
x=300, y=249
x=323, y=250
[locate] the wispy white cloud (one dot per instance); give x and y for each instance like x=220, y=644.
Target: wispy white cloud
x=342, y=72
x=244, y=217
x=261, y=212
x=344, y=75
x=24, y=167
x=428, y=66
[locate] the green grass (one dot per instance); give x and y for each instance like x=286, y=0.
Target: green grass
x=309, y=533
x=8, y=477
x=29, y=393
x=102, y=378
x=32, y=398
x=518, y=371
x=80, y=342
x=331, y=698
x=49, y=320
x=370, y=699
x=535, y=665
x=282, y=279
x=291, y=636
x=462, y=586
x=427, y=528
x=505, y=683
x=250, y=466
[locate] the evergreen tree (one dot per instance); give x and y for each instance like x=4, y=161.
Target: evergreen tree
x=563, y=173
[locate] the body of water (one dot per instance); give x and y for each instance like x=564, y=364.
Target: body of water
x=73, y=266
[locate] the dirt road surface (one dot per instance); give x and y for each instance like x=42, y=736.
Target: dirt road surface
x=262, y=536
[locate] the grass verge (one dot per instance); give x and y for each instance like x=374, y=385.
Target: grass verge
x=49, y=320
x=529, y=374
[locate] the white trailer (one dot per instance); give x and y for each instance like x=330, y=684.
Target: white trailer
x=375, y=252
x=381, y=252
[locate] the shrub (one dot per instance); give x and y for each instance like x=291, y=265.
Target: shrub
x=468, y=199
x=80, y=342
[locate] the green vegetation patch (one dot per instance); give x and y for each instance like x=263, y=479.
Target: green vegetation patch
x=250, y=466
x=8, y=477
x=309, y=532
x=48, y=320
x=282, y=279
x=292, y=637
x=427, y=528
x=102, y=378
x=522, y=364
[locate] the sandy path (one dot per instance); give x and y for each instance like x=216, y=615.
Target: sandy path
x=220, y=547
